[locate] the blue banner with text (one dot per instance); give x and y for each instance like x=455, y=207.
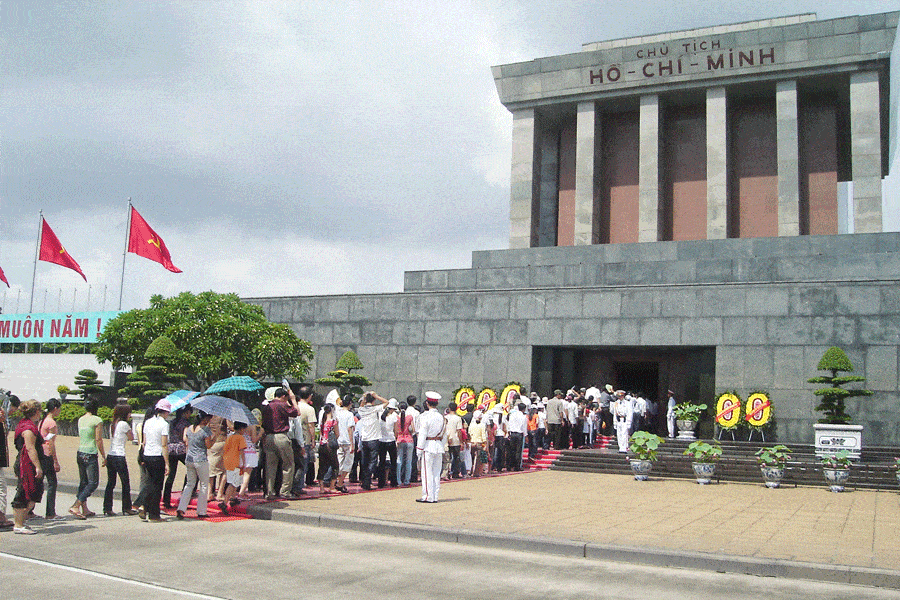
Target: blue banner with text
x=39, y=328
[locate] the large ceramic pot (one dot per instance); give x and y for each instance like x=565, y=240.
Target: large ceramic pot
x=772, y=475
x=641, y=468
x=836, y=478
x=686, y=430
x=704, y=472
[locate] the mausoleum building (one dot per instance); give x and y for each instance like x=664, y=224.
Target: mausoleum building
x=698, y=211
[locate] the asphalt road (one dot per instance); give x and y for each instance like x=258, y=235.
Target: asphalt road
x=120, y=557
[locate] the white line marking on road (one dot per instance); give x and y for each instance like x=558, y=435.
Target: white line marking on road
x=151, y=586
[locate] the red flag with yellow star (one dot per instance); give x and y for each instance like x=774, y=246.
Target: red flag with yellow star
x=3, y=278
x=143, y=241
x=53, y=251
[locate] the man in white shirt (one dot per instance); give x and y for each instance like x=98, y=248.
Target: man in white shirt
x=670, y=413
x=346, y=424
x=572, y=418
x=639, y=406
x=622, y=414
x=412, y=411
x=156, y=460
x=304, y=431
x=516, y=427
x=555, y=408
x=454, y=443
x=430, y=447
x=370, y=407
x=500, y=450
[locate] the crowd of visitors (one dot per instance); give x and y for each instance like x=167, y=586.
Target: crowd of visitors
x=378, y=442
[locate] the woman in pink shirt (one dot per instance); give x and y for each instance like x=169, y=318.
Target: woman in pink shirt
x=405, y=452
x=50, y=466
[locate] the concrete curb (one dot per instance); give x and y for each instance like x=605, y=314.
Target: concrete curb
x=655, y=557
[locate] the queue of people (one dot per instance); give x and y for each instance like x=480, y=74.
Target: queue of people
x=575, y=418
x=377, y=442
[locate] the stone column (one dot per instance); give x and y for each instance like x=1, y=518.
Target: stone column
x=788, y=159
x=716, y=163
x=587, y=140
x=865, y=151
x=525, y=181
x=548, y=200
x=649, y=202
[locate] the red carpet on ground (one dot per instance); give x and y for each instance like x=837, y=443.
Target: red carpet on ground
x=543, y=461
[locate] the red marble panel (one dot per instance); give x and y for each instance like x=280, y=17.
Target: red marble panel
x=621, y=169
x=565, y=230
x=754, y=190
x=818, y=167
x=684, y=187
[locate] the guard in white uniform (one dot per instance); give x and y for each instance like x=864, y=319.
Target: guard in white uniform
x=670, y=413
x=622, y=415
x=430, y=447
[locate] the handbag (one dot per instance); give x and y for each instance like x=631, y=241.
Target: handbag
x=332, y=439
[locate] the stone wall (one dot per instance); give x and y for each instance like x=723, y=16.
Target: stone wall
x=769, y=306
x=36, y=376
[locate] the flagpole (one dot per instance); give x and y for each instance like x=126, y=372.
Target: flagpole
x=125, y=253
x=37, y=253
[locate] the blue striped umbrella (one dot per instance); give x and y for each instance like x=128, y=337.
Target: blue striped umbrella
x=225, y=408
x=238, y=382
x=180, y=398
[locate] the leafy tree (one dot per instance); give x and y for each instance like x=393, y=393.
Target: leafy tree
x=343, y=377
x=86, y=383
x=218, y=335
x=155, y=379
x=832, y=403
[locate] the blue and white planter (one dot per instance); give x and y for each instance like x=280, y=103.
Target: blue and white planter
x=772, y=475
x=704, y=472
x=641, y=468
x=836, y=478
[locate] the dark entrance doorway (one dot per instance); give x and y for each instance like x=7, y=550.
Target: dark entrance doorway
x=689, y=371
x=641, y=377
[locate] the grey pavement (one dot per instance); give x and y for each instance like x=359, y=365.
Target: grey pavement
x=803, y=532
x=115, y=557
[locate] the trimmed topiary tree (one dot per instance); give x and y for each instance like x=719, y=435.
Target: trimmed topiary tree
x=87, y=383
x=343, y=377
x=155, y=379
x=832, y=398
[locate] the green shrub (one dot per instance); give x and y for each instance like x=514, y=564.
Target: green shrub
x=644, y=444
x=105, y=413
x=70, y=412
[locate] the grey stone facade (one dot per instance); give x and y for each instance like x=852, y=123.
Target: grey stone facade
x=777, y=58
x=698, y=317
x=769, y=307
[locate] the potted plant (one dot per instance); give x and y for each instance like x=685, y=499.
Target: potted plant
x=63, y=391
x=643, y=448
x=836, y=468
x=771, y=463
x=686, y=417
x=705, y=456
x=834, y=431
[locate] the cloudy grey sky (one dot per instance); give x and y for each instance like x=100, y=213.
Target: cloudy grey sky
x=279, y=148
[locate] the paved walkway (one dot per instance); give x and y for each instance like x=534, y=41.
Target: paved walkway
x=853, y=535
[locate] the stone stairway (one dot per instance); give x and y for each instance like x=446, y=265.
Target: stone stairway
x=738, y=463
